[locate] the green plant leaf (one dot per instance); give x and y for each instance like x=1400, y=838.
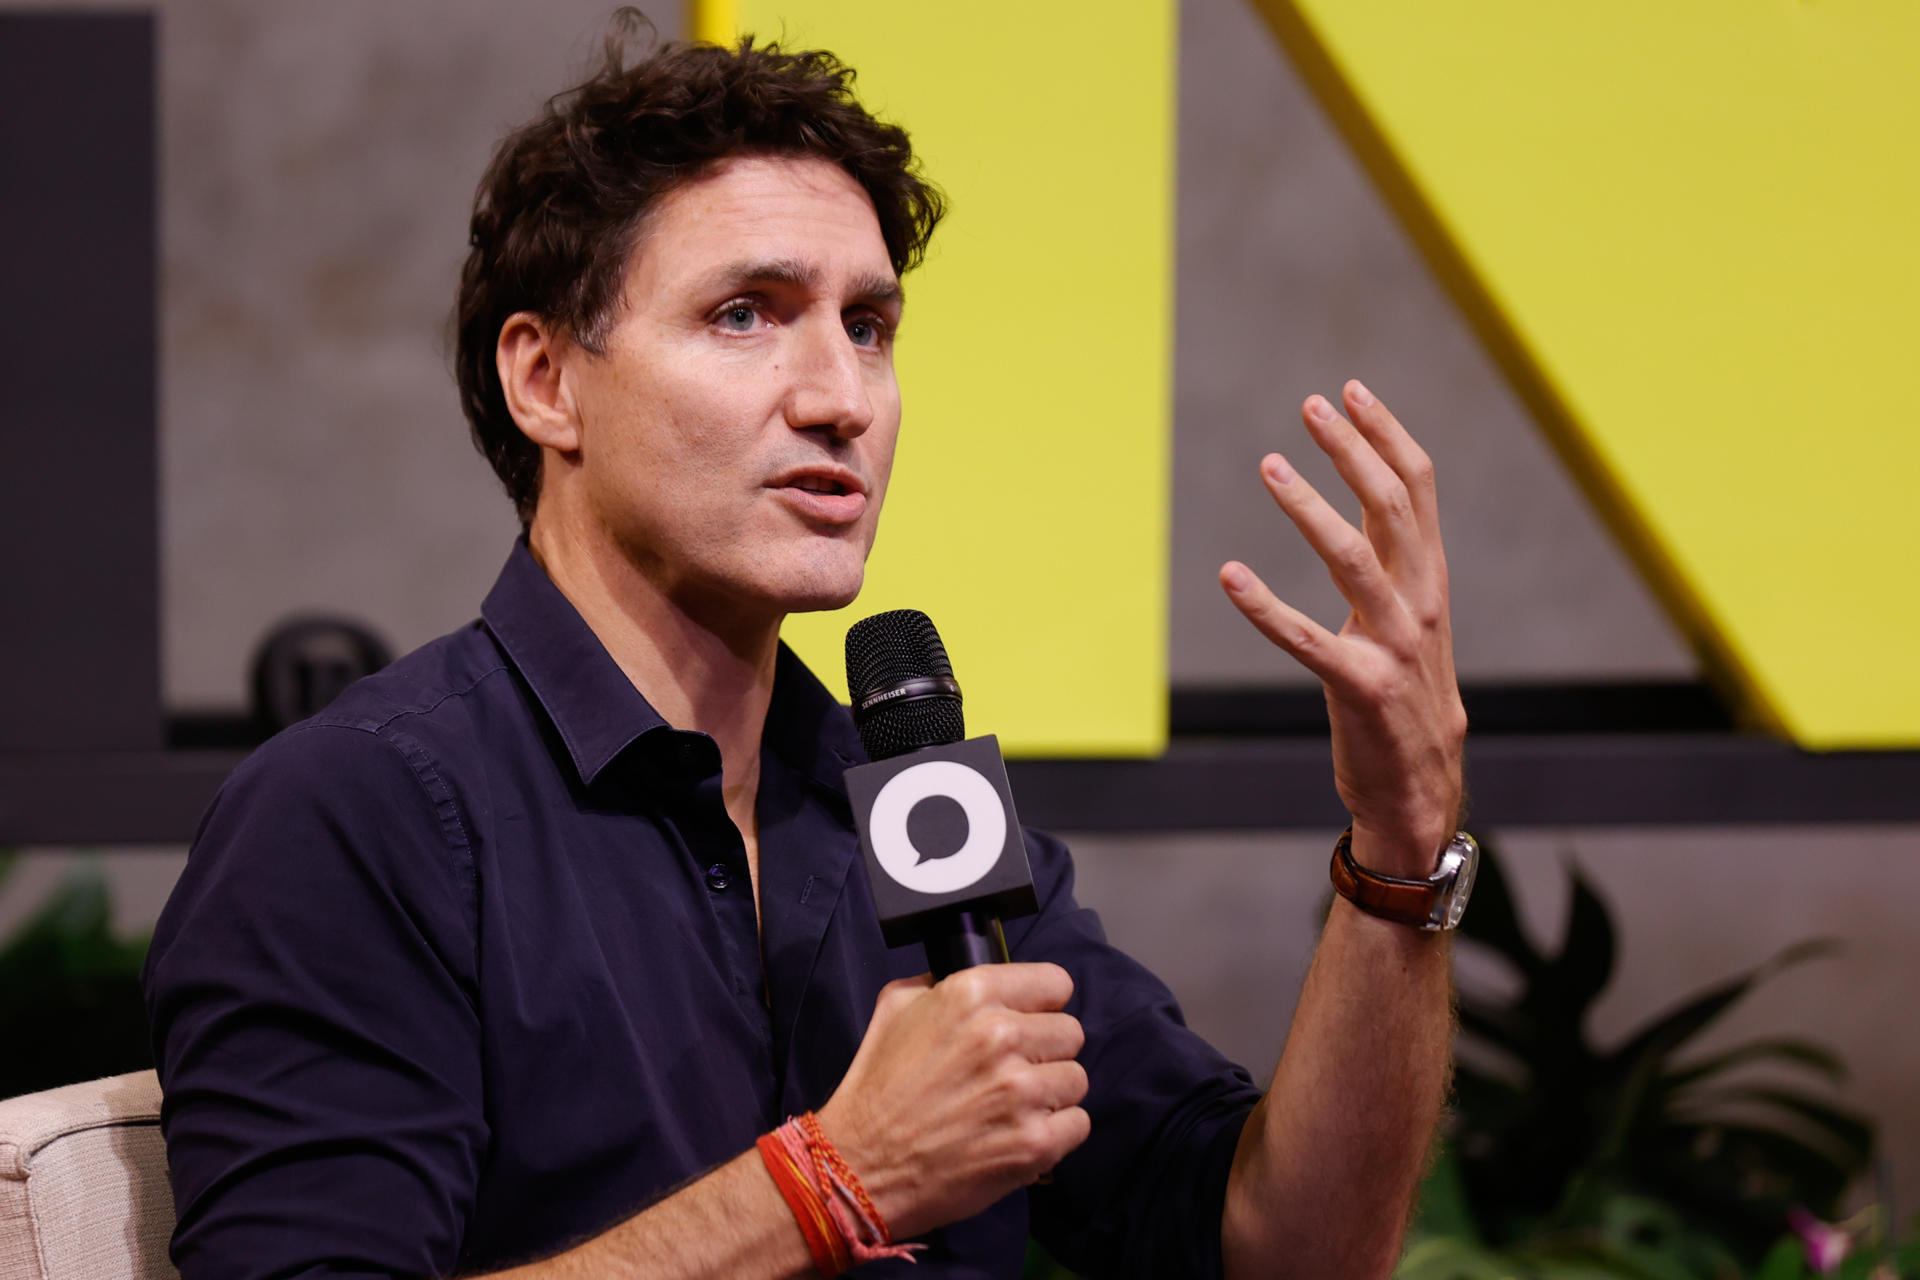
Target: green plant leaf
x=1041, y=1265
x=1585, y=963
x=1803, y=1053
x=1439, y=1258
x=1742, y=1174
x=1550, y=1133
x=1851, y=1134
x=1499, y=1027
x=1493, y=1101
x=1644, y=1229
x=1589, y=1256
x=1443, y=1209
x=70, y=1000
x=1492, y=922
x=1675, y=1028
x=1857, y=1265
x=76, y=909
x=1787, y=1260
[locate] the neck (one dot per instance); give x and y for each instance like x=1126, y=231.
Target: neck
x=709, y=669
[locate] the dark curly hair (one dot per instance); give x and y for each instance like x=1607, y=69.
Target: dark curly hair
x=559, y=209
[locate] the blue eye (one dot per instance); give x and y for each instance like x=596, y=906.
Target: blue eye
x=739, y=319
x=864, y=332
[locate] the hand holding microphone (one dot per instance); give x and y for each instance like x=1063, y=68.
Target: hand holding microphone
x=961, y=1092
x=965, y=1090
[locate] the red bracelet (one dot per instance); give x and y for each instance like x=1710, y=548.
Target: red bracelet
x=831, y=1167
x=830, y=1185
x=824, y=1241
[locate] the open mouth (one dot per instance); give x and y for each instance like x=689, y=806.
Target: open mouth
x=828, y=495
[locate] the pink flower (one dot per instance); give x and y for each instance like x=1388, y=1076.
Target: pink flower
x=1826, y=1245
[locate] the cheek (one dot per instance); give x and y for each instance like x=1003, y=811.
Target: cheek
x=687, y=436
x=884, y=436
x=675, y=399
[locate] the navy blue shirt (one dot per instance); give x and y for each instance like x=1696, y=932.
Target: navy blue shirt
x=466, y=970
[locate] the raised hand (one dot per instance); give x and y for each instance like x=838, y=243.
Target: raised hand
x=1398, y=726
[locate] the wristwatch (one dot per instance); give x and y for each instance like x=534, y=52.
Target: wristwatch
x=1433, y=904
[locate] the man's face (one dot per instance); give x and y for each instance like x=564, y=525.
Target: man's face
x=738, y=431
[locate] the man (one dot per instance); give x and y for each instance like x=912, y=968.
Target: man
x=511, y=955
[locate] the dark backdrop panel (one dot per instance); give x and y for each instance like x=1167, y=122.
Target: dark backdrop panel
x=79, y=606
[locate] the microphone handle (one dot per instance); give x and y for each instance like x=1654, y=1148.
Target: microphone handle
x=963, y=940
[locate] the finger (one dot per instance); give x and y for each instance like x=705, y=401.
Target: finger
x=900, y=992
x=1025, y=987
x=1066, y=1129
x=1415, y=469
x=918, y=982
x=1050, y=1037
x=1058, y=1084
x=1397, y=448
x=1350, y=558
x=1390, y=521
x=1309, y=643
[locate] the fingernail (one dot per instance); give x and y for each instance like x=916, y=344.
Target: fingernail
x=1358, y=390
x=1234, y=577
x=1318, y=407
x=1278, y=469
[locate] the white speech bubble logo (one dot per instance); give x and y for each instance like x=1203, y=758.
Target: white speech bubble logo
x=894, y=848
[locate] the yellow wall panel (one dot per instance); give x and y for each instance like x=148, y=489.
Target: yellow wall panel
x=1028, y=513
x=1689, y=233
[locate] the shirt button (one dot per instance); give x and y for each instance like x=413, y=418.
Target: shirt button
x=718, y=877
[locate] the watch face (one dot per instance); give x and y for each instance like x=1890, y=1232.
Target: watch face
x=1463, y=883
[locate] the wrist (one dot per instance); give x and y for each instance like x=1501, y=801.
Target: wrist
x=831, y=1205
x=790, y=1171
x=1430, y=902
x=889, y=1189
x=1409, y=853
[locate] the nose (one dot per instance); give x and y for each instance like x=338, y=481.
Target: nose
x=829, y=387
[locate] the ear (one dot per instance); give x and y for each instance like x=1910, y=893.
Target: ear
x=530, y=356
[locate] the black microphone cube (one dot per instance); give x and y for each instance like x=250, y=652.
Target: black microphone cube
x=939, y=834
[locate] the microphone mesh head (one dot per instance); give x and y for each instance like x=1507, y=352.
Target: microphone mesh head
x=888, y=650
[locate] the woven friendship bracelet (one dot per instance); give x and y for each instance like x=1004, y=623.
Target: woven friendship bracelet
x=832, y=1167
x=824, y=1239
x=851, y=1209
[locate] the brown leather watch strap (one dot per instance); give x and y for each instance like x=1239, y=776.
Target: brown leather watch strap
x=1408, y=902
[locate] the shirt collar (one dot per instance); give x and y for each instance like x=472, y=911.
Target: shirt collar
x=808, y=728
x=599, y=714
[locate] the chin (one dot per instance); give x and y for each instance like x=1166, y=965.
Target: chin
x=820, y=601
x=816, y=587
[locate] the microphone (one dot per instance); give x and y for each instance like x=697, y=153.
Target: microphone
x=934, y=810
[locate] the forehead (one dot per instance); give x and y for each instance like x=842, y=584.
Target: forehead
x=760, y=208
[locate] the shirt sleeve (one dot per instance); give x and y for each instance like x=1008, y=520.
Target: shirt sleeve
x=1144, y=1195
x=311, y=990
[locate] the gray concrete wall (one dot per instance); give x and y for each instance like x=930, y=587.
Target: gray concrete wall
x=319, y=165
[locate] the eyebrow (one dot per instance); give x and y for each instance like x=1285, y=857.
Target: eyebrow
x=870, y=289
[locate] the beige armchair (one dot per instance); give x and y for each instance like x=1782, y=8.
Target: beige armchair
x=83, y=1183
